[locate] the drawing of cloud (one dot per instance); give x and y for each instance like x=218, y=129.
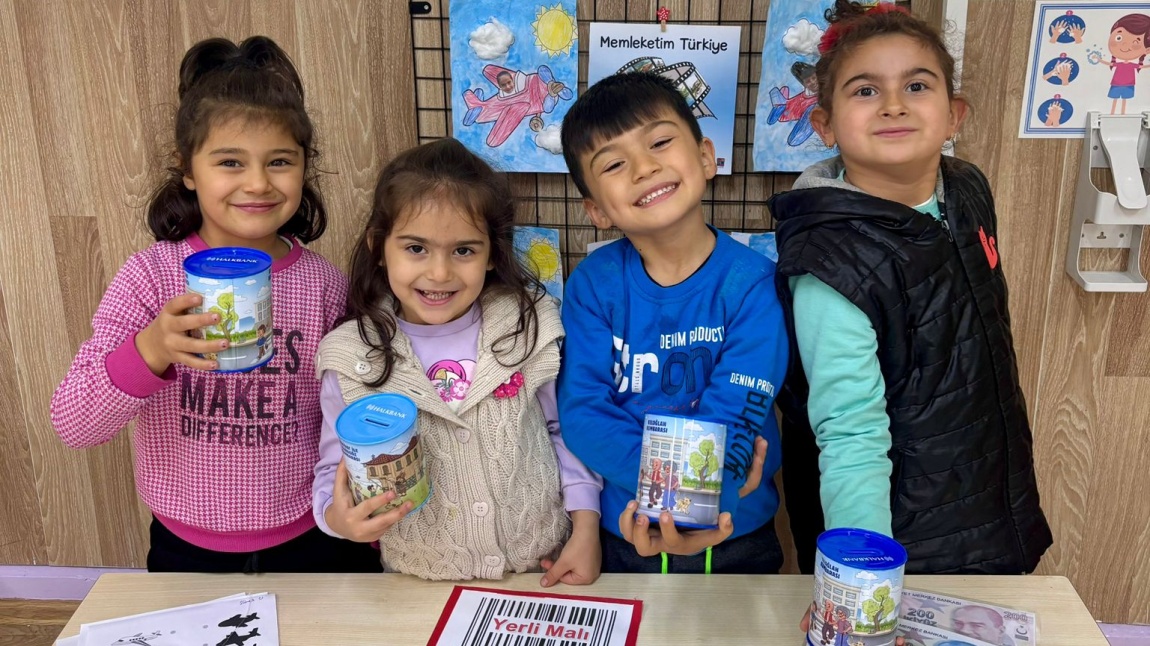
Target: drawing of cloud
x=869, y=576
x=491, y=40
x=250, y=282
x=690, y=425
x=240, y=299
x=219, y=292
x=548, y=139
x=263, y=292
x=207, y=281
x=802, y=38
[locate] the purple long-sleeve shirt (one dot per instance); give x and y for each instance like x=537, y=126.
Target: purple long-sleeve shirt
x=448, y=353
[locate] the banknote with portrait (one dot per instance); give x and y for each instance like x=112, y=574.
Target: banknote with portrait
x=994, y=625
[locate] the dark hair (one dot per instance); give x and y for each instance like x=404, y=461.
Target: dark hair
x=440, y=171
x=219, y=81
x=802, y=71
x=614, y=105
x=852, y=24
x=1135, y=24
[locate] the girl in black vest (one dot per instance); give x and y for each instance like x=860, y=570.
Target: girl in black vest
x=902, y=358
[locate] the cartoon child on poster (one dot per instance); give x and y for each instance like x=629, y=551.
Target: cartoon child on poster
x=1128, y=49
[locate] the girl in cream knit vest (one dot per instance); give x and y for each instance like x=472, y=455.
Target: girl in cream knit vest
x=439, y=310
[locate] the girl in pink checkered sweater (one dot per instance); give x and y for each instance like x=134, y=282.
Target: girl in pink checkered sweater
x=224, y=461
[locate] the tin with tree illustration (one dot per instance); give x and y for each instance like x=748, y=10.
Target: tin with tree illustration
x=235, y=284
x=681, y=470
x=382, y=450
x=858, y=586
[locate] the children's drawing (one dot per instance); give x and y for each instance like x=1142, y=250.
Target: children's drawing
x=787, y=107
x=784, y=140
x=538, y=249
x=701, y=61
x=1084, y=57
x=235, y=639
x=514, y=71
x=519, y=96
x=763, y=243
x=231, y=621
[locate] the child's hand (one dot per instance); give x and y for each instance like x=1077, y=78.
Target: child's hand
x=755, y=475
x=649, y=541
x=165, y=341
x=581, y=558
x=354, y=522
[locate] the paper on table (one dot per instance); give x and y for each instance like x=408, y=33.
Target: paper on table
x=229, y=621
x=475, y=616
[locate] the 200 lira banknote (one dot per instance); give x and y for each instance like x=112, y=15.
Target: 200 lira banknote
x=923, y=635
x=995, y=625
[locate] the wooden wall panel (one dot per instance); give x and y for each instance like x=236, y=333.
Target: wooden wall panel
x=1089, y=421
x=87, y=126
x=21, y=529
x=32, y=304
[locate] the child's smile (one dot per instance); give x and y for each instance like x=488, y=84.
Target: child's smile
x=659, y=194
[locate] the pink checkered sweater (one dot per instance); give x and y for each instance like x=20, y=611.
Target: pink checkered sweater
x=223, y=460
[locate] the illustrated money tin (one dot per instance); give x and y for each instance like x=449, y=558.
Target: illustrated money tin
x=382, y=450
x=235, y=283
x=681, y=470
x=858, y=585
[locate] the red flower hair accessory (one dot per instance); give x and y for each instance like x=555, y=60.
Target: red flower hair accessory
x=834, y=32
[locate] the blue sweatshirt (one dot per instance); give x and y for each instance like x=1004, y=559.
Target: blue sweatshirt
x=713, y=347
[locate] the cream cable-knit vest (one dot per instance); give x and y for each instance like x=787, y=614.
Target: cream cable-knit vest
x=496, y=504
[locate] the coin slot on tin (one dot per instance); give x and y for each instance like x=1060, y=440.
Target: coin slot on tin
x=382, y=423
x=865, y=552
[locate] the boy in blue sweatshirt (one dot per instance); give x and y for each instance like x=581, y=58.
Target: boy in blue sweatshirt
x=677, y=318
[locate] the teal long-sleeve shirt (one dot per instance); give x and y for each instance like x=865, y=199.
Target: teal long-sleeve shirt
x=847, y=402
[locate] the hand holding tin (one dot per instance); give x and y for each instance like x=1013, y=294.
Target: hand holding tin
x=169, y=338
x=755, y=475
x=649, y=541
x=355, y=522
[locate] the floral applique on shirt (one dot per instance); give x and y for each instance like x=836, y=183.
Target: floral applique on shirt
x=451, y=378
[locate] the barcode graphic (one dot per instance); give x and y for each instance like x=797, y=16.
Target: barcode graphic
x=592, y=626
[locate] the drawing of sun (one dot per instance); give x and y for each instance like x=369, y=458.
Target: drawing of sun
x=543, y=259
x=554, y=30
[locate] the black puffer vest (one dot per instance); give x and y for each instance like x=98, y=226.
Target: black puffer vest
x=963, y=492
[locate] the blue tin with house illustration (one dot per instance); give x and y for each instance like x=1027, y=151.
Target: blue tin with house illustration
x=858, y=587
x=681, y=470
x=236, y=284
x=381, y=444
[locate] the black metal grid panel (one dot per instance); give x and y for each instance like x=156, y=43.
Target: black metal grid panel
x=735, y=202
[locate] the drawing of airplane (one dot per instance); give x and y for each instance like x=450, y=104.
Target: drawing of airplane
x=239, y=621
x=235, y=639
x=139, y=639
x=520, y=95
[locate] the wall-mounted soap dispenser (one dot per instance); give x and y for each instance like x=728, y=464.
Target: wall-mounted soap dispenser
x=1111, y=220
